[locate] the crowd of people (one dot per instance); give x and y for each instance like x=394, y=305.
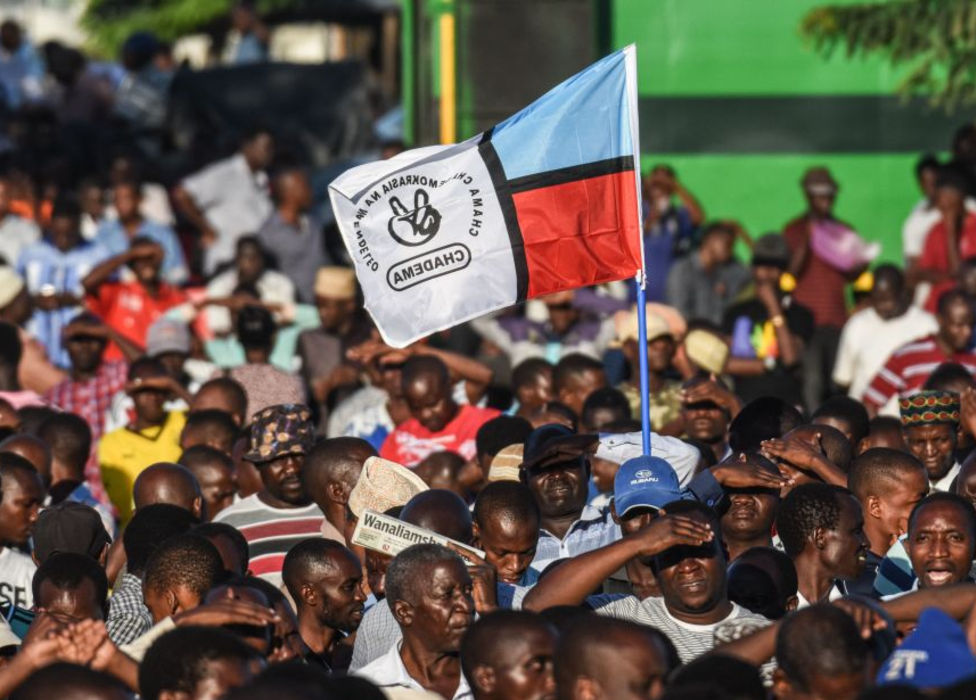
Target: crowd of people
x=198, y=423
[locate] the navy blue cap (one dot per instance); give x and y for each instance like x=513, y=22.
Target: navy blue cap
x=644, y=482
x=552, y=444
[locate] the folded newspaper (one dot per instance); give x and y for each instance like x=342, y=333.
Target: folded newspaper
x=386, y=534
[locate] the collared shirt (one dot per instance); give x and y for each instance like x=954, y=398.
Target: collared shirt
x=945, y=483
x=388, y=671
x=44, y=266
x=300, y=250
x=91, y=399
x=128, y=616
x=235, y=201
x=592, y=530
x=116, y=240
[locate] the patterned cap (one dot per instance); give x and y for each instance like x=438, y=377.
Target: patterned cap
x=383, y=485
x=930, y=408
x=276, y=431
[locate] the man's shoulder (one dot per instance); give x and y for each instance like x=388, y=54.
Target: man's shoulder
x=245, y=506
x=385, y=669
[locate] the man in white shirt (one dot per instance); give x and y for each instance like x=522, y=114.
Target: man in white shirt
x=684, y=550
x=429, y=592
x=21, y=495
x=872, y=334
x=229, y=198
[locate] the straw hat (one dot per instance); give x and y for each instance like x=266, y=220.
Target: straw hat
x=505, y=464
x=383, y=485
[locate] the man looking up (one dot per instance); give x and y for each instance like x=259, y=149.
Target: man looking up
x=329, y=474
x=437, y=422
x=909, y=366
x=888, y=483
x=872, y=334
x=325, y=581
x=941, y=540
x=822, y=529
x=429, y=592
x=930, y=421
x=509, y=654
x=280, y=438
x=689, y=563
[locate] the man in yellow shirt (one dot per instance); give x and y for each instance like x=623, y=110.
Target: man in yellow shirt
x=152, y=436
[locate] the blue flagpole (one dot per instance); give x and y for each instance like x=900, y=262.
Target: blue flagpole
x=642, y=353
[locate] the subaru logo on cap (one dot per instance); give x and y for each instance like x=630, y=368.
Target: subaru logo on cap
x=643, y=475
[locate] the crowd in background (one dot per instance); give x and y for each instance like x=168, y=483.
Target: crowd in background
x=196, y=414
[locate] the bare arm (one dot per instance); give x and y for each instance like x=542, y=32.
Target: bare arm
x=188, y=208
x=574, y=579
x=695, y=210
x=956, y=601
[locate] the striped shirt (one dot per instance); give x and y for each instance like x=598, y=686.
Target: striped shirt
x=594, y=529
x=690, y=640
x=907, y=369
x=271, y=532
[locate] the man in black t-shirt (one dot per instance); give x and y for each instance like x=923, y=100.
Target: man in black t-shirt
x=768, y=330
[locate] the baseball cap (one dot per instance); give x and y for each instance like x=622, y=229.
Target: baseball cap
x=644, y=482
x=553, y=444
x=935, y=655
x=168, y=335
x=771, y=249
x=280, y=430
x=69, y=527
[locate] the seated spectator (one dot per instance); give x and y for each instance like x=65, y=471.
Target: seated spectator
x=870, y=336
x=152, y=436
x=509, y=654
x=21, y=495
x=154, y=203
x=822, y=529
x=681, y=543
x=280, y=438
x=702, y=284
x=214, y=472
x=433, y=619
x=768, y=331
x=117, y=234
x=930, y=421
x=909, y=366
x=131, y=307
x=128, y=617
x=54, y=268
x=325, y=581
x=265, y=384
x=329, y=473
x=294, y=233
x=437, y=423
x=196, y=662
x=72, y=586
x=250, y=270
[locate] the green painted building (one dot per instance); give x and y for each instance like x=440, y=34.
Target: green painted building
x=731, y=96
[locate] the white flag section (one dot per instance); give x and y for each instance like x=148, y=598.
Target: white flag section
x=545, y=201
x=426, y=214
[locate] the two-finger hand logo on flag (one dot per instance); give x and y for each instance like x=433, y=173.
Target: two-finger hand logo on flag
x=545, y=201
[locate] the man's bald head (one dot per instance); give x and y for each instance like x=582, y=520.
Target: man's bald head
x=331, y=469
x=165, y=482
x=603, y=653
x=310, y=560
x=442, y=512
x=33, y=449
x=224, y=394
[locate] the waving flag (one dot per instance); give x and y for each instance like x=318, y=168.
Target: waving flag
x=546, y=201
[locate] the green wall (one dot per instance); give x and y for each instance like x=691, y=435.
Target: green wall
x=744, y=50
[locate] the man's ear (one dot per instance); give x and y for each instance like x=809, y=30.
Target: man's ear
x=872, y=507
x=819, y=538
x=483, y=679
x=587, y=689
x=792, y=603
x=337, y=493
x=309, y=596
x=198, y=508
x=172, y=601
x=782, y=688
x=475, y=535
x=402, y=612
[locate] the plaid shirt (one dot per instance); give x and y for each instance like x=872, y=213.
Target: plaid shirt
x=128, y=616
x=594, y=529
x=91, y=399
